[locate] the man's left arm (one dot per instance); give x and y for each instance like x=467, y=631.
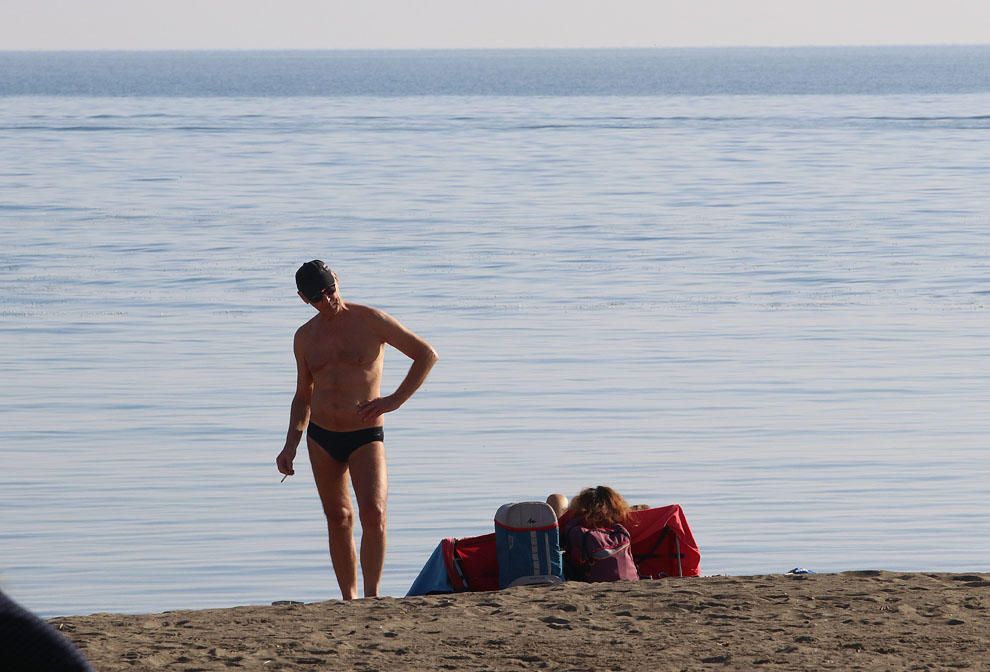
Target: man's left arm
x=423, y=358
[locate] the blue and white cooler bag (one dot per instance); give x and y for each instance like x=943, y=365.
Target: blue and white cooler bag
x=527, y=543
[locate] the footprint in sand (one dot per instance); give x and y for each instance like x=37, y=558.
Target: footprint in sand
x=715, y=605
x=717, y=659
x=529, y=659
x=555, y=620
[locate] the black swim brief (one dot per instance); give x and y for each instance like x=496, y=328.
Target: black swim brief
x=340, y=445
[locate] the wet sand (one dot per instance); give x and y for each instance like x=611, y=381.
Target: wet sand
x=866, y=620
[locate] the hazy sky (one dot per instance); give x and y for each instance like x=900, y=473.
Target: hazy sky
x=390, y=24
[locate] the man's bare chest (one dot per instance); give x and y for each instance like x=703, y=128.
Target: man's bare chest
x=342, y=348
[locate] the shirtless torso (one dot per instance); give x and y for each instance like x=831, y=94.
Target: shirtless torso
x=339, y=356
x=344, y=357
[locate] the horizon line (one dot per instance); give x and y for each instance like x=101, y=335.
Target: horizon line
x=507, y=49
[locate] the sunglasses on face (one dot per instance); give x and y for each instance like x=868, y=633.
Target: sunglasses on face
x=325, y=294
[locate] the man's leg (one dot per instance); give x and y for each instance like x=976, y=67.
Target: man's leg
x=369, y=477
x=331, y=483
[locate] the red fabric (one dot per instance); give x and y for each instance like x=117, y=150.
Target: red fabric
x=655, y=560
x=477, y=558
x=453, y=572
x=646, y=527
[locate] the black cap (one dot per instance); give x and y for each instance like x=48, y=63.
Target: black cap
x=312, y=278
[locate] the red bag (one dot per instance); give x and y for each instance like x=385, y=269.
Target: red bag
x=600, y=554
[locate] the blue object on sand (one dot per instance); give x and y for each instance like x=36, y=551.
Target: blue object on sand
x=434, y=577
x=527, y=542
x=800, y=570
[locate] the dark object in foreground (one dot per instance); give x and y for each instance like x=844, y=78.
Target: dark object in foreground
x=28, y=644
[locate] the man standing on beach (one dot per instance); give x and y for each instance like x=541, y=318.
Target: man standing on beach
x=339, y=355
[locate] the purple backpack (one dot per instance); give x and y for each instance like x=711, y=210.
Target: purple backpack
x=600, y=554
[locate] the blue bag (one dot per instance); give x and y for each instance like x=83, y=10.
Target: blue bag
x=527, y=543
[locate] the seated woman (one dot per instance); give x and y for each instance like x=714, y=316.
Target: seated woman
x=597, y=546
x=559, y=504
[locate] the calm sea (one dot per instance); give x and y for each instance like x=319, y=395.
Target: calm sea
x=752, y=282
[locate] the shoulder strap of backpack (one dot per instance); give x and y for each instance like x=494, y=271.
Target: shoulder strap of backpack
x=589, y=555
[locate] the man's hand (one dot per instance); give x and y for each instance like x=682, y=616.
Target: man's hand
x=284, y=461
x=369, y=410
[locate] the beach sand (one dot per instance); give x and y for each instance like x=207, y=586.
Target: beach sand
x=867, y=620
